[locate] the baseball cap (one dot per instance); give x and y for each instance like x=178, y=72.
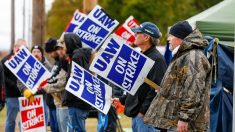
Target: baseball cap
x=60, y=43
x=148, y=28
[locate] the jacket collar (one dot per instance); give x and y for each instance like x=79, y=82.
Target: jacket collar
x=148, y=51
x=192, y=41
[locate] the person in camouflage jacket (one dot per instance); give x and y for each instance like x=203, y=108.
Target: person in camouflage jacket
x=183, y=101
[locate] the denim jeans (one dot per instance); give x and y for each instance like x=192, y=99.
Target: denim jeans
x=62, y=118
x=53, y=120
x=102, y=122
x=12, y=105
x=107, y=123
x=139, y=126
x=77, y=119
x=46, y=112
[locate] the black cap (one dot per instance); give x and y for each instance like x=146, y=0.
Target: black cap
x=181, y=29
x=50, y=45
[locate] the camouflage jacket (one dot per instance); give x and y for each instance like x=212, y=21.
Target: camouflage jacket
x=185, y=89
x=57, y=89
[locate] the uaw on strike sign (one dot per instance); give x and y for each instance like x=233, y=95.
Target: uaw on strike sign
x=124, y=30
x=76, y=20
x=32, y=114
x=89, y=88
x=121, y=64
x=96, y=28
x=27, y=69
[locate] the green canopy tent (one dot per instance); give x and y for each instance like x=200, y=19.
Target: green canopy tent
x=217, y=21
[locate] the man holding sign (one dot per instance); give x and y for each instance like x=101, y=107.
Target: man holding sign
x=78, y=109
x=146, y=37
x=11, y=90
x=183, y=102
x=38, y=53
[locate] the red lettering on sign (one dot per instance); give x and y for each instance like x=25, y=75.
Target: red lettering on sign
x=32, y=118
x=26, y=102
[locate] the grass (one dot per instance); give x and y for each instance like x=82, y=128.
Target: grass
x=91, y=123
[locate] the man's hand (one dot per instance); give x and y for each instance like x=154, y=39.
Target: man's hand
x=182, y=126
x=31, y=98
x=114, y=102
x=140, y=114
x=27, y=93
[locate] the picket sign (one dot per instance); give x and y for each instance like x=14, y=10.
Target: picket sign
x=28, y=69
x=89, y=88
x=32, y=114
x=124, y=31
x=95, y=28
x=75, y=21
x=122, y=65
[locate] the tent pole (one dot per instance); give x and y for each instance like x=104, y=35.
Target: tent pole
x=233, y=84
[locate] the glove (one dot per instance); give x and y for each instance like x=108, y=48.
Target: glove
x=27, y=93
x=31, y=98
x=117, y=104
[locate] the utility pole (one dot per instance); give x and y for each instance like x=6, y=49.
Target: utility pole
x=24, y=19
x=38, y=29
x=88, y=5
x=12, y=23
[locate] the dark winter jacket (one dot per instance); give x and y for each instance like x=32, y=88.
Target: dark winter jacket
x=143, y=97
x=2, y=83
x=11, y=89
x=185, y=88
x=81, y=56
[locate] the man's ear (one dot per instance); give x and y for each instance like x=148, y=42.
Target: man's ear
x=147, y=38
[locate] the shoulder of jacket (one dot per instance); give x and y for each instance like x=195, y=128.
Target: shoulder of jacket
x=5, y=58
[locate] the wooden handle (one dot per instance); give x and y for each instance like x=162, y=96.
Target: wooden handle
x=152, y=84
x=92, y=57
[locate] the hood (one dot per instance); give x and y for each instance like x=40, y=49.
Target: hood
x=72, y=42
x=194, y=40
x=84, y=52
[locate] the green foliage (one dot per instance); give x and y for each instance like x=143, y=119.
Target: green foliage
x=163, y=13
x=59, y=16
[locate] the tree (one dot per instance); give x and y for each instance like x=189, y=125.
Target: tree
x=59, y=16
x=162, y=13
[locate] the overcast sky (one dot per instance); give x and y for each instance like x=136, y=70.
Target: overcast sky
x=5, y=15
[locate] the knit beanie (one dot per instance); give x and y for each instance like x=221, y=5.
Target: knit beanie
x=37, y=47
x=50, y=45
x=181, y=29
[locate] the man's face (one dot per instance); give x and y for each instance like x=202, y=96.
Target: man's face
x=19, y=44
x=140, y=38
x=37, y=53
x=53, y=54
x=174, y=42
x=61, y=51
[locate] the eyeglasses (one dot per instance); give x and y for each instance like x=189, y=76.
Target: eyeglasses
x=136, y=33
